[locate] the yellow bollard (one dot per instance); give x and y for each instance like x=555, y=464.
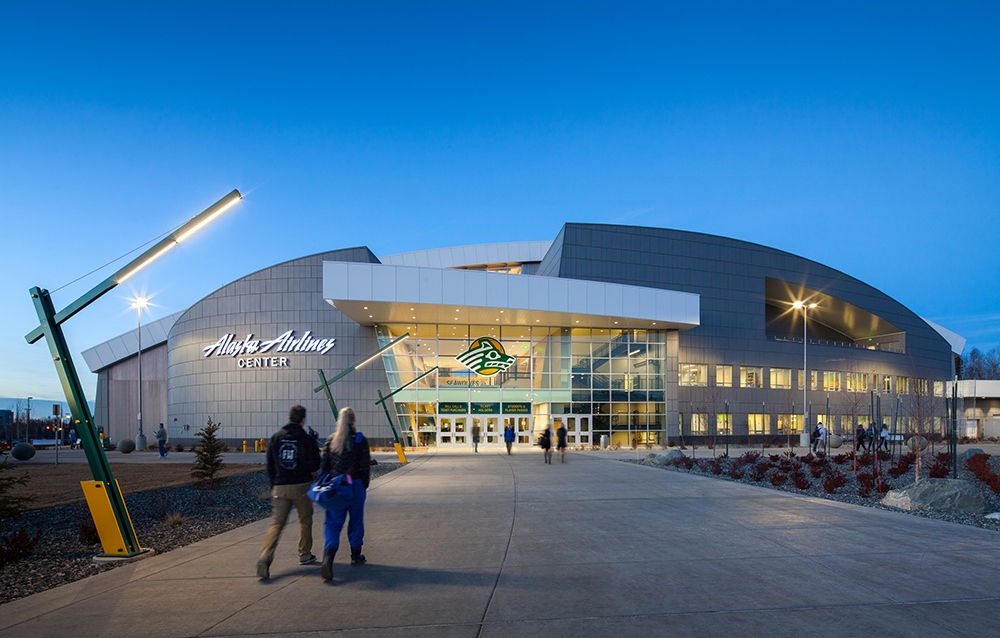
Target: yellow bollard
x=244, y=446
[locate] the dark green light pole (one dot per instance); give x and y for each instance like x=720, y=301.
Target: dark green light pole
x=103, y=494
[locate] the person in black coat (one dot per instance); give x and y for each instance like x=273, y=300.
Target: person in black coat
x=346, y=451
x=292, y=462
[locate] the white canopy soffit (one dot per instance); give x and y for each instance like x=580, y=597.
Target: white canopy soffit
x=377, y=294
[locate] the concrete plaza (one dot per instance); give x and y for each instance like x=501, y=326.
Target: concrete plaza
x=463, y=544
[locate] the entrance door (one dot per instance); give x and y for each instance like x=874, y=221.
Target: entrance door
x=489, y=433
x=453, y=431
x=578, y=430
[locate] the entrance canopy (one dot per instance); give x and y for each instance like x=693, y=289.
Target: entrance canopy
x=378, y=294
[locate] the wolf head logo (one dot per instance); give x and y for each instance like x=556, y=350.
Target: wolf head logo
x=486, y=356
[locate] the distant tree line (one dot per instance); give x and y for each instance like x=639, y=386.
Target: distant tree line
x=980, y=365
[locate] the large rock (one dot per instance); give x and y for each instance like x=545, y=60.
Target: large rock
x=835, y=441
x=650, y=458
x=948, y=496
x=126, y=446
x=914, y=441
x=668, y=458
x=23, y=451
x=971, y=452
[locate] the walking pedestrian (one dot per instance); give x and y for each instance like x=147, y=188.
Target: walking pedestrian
x=346, y=451
x=561, y=442
x=883, y=437
x=822, y=437
x=292, y=463
x=859, y=438
x=508, y=436
x=161, y=440
x=545, y=442
x=475, y=437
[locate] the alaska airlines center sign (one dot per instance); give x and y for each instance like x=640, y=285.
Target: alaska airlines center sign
x=486, y=357
x=285, y=343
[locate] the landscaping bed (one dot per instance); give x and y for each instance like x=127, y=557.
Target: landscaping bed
x=164, y=519
x=839, y=477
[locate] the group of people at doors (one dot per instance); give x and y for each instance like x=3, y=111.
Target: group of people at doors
x=544, y=441
x=864, y=440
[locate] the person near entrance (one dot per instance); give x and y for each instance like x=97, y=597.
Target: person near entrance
x=346, y=452
x=475, y=437
x=545, y=442
x=292, y=463
x=561, y=442
x=508, y=436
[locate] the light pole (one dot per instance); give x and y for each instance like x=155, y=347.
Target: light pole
x=139, y=303
x=104, y=497
x=804, y=435
x=27, y=425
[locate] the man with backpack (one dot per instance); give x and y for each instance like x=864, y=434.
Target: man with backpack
x=292, y=463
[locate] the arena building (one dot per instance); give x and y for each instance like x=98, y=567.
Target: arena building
x=627, y=335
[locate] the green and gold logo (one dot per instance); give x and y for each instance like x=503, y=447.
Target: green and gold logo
x=486, y=356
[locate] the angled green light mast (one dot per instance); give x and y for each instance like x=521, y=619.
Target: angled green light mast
x=104, y=497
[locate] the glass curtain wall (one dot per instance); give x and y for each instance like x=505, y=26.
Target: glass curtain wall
x=615, y=378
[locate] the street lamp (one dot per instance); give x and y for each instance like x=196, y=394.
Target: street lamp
x=104, y=497
x=139, y=303
x=804, y=435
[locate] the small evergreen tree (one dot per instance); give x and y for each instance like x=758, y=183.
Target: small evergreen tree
x=208, y=455
x=11, y=506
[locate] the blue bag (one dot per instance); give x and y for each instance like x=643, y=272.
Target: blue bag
x=332, y=492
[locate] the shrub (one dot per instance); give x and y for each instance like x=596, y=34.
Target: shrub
x=685, y=462
x=88, y=533
x=747, y=458
x=175, y=518
x=979, y=465
x=774, y=458
x=840, y=459
x=865, y=459
x=940, y=468
x=816, y=470
x=903, y=465
x=716, y=466
x=208, y=456
x=833, y=481
x=17, y=545
x=778, y=479
x=800, y=481
x=884, y=456
x=178, y=448
x=758, y=471
x=736, y=471
x=12, y=506
x=788, y=465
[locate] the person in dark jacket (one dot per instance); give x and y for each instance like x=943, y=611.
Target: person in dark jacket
x=292, y=463
x=561, y=442
x=545, y=442
x=346, y=451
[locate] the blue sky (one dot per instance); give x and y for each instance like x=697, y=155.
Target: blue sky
x=863, y=137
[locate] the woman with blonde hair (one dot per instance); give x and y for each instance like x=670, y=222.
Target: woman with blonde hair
x=346, y=451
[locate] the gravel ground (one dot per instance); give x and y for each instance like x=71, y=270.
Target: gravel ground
x=849, y=492
x=60, y=557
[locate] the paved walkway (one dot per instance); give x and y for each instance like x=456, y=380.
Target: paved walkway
x=487, y=544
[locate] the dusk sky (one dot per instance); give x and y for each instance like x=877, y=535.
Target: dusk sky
x=864, y=136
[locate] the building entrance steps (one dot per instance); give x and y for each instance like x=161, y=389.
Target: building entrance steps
x=463, y=544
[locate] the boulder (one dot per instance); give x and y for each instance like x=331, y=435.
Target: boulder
x=914, y=441
x=835, y=441
x=971, y=452
x=23, y=451
x=650, y=458
x=667, y=458
x=126, y=445
x=948, y=496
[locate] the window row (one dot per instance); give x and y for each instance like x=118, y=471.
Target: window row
x=696, y=375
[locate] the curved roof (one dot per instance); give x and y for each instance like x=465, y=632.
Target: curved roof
x=518, y=252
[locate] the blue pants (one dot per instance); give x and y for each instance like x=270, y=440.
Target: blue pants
x=163, y=447
x=334, y=521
